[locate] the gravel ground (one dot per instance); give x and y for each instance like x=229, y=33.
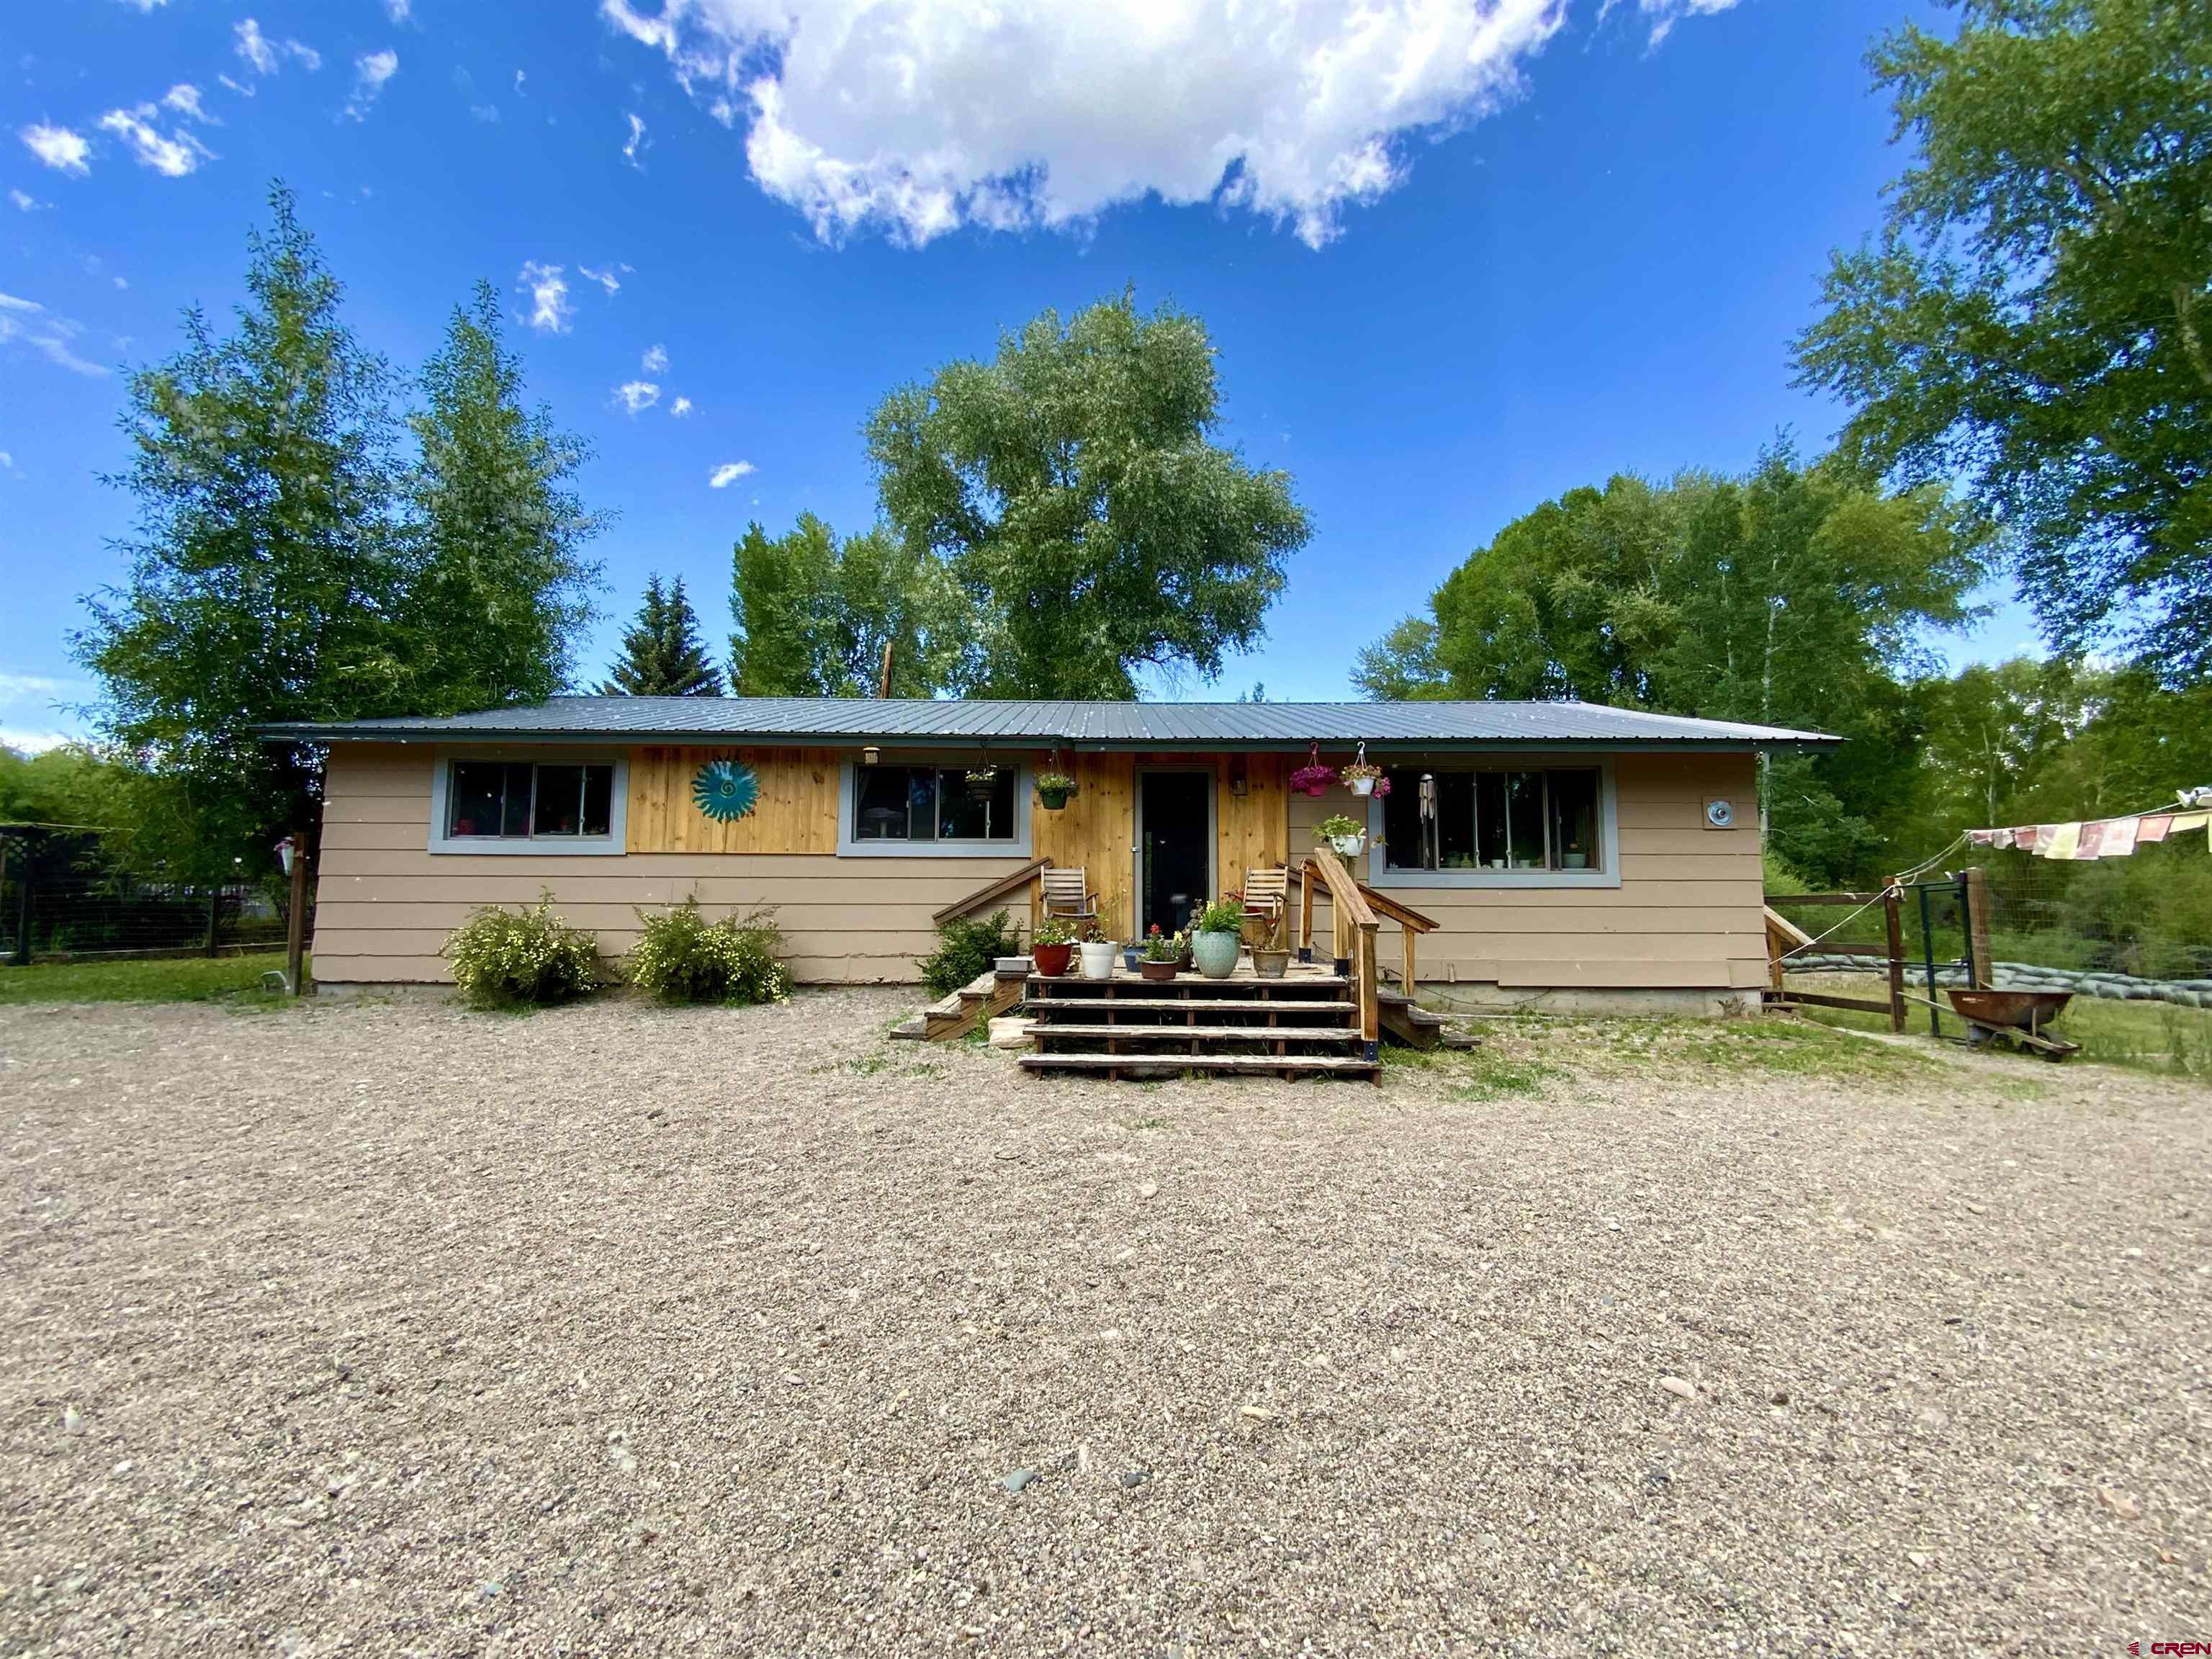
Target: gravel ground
x=389, y=1328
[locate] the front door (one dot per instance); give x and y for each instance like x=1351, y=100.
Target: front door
x=1175, y=848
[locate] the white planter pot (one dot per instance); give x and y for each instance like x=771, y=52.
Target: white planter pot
x=1349, y=846
x=1360, y=785
x=1097, y=959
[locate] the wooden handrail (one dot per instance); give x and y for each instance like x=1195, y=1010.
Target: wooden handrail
x=1349, y=914
x=1343, y=890
x=994, y=889
x=1404, y=915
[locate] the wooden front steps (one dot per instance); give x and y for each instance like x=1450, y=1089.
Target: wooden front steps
x=982, y=998
x=1405, y=1021
x=1303, y=1024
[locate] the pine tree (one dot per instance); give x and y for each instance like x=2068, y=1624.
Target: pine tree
x=662, y=655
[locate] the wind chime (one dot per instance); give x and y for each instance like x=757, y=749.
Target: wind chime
x=1432, y=843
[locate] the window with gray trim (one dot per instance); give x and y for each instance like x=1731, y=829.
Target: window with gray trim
x=526, y=800
x=935, y=804
x=1493, y=820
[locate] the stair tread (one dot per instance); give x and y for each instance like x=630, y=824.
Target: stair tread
x=1178, y=1004
x=1200, y=1033
x=1343, y=1063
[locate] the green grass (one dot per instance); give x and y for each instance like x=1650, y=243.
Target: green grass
x=2155, y=1037
x=232, y=980
x=1480, y=1074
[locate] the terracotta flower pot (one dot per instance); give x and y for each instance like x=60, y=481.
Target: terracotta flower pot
x=1052, y=959
x=1157, y=970
x=1270, y=964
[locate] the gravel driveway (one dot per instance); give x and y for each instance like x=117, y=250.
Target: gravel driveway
x=385, y=1328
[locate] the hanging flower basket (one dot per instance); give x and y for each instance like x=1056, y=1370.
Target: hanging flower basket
x=1313, y=778
x=981, y=781
x=1362, y=778
x=1054, y=790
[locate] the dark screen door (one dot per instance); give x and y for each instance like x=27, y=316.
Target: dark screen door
x=1173, y=847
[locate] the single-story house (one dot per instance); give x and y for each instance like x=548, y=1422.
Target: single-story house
x=1600, y=853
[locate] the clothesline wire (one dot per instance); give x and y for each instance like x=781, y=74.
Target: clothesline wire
x=1929, y=863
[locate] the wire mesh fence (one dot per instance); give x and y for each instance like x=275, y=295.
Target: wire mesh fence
x=2129, y=940
x=64, y=898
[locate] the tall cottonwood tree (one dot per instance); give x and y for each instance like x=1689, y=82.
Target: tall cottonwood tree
x=1075, y=486
x=662, y=653
x=2034, y=324
x=497, y=586
x=1794, y=596
x=286, y=567
x=813, y=613
x=266, y=572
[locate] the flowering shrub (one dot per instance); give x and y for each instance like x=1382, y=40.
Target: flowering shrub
x=503, y=958
x=680, y=956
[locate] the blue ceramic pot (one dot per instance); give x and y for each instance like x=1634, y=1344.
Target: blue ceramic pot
x=1214, y=955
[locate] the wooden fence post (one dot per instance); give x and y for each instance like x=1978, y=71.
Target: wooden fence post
x=1892, y=904
x=1978, y=927
x=214, y=918
x=295, y=925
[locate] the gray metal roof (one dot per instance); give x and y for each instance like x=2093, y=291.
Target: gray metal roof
x=1030, y=723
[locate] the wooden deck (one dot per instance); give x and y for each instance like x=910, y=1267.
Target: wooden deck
x=1306, y=1022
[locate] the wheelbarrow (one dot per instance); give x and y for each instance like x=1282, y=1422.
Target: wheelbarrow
x=2015, y=1017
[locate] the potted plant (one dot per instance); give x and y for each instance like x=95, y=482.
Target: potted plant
x=1572, y=857
x=1313, y=778
x=981, y=779
x=1162, y=954
x=1362, y=778
x=1053, y=790
x=1218, y=939
x=1348, y=834
x=1054, y=944
x=1097, y=953
x=1273, y=960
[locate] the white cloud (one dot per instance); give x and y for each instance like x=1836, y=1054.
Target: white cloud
x=920, y=116
x=7, y=465
x=549, y=309
x=26, y=322
x=370, y=71
x=147, y=5
x=25, y=201
x=399, y=12
x=680, y=408
x=265, y=56
x=1663, y=15
x=519, y=77
x=488, y=113
x=171, y=156
x=606, y=279
x=23, y=687
x=57, y=147
x=24, y=741
x=185, y=101
x=238, y=87
x=728, y=473
x=637, y=396
x=655, y=360
x=637, y=141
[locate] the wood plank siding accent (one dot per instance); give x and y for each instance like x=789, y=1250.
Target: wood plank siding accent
x=1687, y=912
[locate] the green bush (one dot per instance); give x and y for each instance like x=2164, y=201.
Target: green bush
x=680, y=956
x=502, y=958
x=967, y=947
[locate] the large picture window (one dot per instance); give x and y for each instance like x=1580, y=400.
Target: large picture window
x=510, y=806
x=935, y=804
x=1497, y=821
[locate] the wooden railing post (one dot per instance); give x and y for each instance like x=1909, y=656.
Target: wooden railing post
x=1409, y=935
x=1305, y=914
x=1892, y=904
x=1370, y=1007
x=1978, y=927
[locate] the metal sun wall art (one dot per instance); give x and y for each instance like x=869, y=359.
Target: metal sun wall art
x=725, y=790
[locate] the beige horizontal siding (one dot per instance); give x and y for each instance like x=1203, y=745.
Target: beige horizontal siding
x=1686, y=914
x=385, y=903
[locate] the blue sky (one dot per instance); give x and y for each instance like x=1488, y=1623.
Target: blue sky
x=1455, y=262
